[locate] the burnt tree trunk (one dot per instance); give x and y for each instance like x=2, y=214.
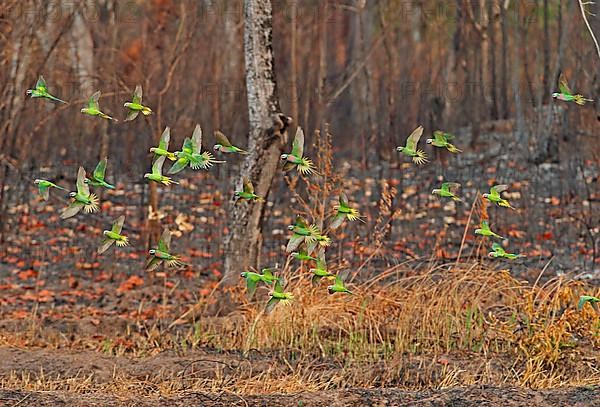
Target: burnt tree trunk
x=244, y=239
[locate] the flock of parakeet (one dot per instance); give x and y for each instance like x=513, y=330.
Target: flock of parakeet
x=307, y=242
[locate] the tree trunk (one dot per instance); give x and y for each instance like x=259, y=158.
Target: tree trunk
x=244, y=240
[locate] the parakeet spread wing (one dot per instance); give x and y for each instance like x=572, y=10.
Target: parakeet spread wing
x=82, y=187
x=485, y=225
x=72, y=210
x=497, y=248
x=294, y=242
x=251, y=285
x=563, y=85
x=152, y=263
x=165, y=138
x=197, y=139
x=106, y=243
x=413, y=139
x=248, y=187
x=300, y=221
x=298, y=144
x=343, y=199
x=497, y=190
x=439, y=136
x=165, y=241
x=222, y=139
x=179, y=165
x=41, y=84
x=100, y=169
x=137, y=95
x=44, y=191
x=188, y=145
x=118, y=225
x=452, y=187
x=158, y=164
x=93, y=102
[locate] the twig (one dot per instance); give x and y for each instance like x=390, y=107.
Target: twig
x=462, y=243
x=587, y=23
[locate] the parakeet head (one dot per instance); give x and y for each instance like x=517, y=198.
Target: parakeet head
x=37, y=181
x=555, y=95
x=291, y=227
x=29, y=91
x=237, y=193
x=294, y=254
x=477, y=231
x=83, y=110
x=72, y=194
x=330, y=289
x=146, y=175
x=399, y=149
x=429, y=140
x=492, y=254
x=284, y=156
x=86, y=181
x=485, y=195
x=217, y=147
x=436, y=191
x=105, y=232
x=244, y=274
x=152, y=251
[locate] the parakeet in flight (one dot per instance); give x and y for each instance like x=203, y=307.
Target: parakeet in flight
x=135, y=106
x=163, y=146
x=156, y=174
x=114, y=236
x=252, y=279
x=339, y=286
x=343, y=212
x=302, y=256
x=97, y=179
x=296, y=157
x=224, y=145
x=495, y=196
x=247, y=192
x=499, y=252
x=485, y=230
x=44, y=188
x=320, y=271
x=278, y=296
x=442, y=140
x=93, y=107
x=41, y=91
x=302, y=233
x=448, y=190
x=82, y=199
x=411, y=149
x=161, y=254
x=566, y=95
x=191, y=154
x=588, y=298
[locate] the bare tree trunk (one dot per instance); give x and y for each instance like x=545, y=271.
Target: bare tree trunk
x=244, y=240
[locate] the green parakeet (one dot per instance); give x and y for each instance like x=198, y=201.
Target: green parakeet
x=302, y=256
x=161, y=254
x=448, y=190
x=302, y=232
x=252, y=279
x=566, y=95
x=247, y=192
x=224, y=145
x=44, y=188
x=135, y=106
x=495, y=196
x=320, y=271
x=588, y=298
x=296, y=157
x=156, y=174
x=41, y=91
x=114, y=236
x=339, y=286
x=97, y=179
x=442, y=140
x=82, y=199
x=343, y=212
x=163, y=146
x=410, y=149
x=191, y=154
x=485, y=230
x=93, y=107
x=278, y=296
x=499, y=252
